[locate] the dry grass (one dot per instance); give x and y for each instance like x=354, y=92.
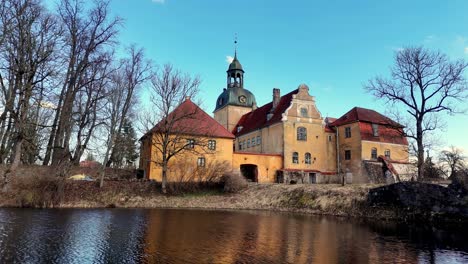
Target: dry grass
x=42, y=190
x=233, y=182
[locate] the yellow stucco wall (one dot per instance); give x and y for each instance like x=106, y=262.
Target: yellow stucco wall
x=397, y=152
x=361, y=150
x=183, y=166
x=353, y=144
x=315, y=145
x=271, y=140
x=330, y=151
x=267, y=165
x=281, y=138
x=230, y=115
x=303, y=112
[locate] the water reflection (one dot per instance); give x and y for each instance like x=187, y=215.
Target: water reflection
x=190, y=236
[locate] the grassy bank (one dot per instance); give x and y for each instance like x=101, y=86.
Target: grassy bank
x=349, y=200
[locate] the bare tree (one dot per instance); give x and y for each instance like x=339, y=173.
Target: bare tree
x=424, y=84
x=171, y=136
x=27, y=52
x=121, y=98
x=453, y=160
x=134, y=72
x=88, y=111
x=87, y=35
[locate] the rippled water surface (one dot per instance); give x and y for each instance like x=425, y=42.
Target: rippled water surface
x=192, y=236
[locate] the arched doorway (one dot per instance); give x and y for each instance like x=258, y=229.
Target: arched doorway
x=250, y=172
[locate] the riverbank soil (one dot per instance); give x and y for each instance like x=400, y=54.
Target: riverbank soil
x=404, y=201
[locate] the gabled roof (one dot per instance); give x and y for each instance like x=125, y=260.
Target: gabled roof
x=358, y=114
x=190, y=119
x=258, y=118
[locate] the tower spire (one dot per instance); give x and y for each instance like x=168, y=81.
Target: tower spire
x=235, y=46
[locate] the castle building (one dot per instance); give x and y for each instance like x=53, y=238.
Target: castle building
x=288, y=140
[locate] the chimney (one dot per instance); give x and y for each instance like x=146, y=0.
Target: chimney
x=275, y=102
x=276, y=98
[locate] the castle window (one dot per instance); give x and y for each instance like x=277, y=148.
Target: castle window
x=243, y=144
x=387, y=153
x=301, y=133
x=201, y=162
x=248, y=143
x=375, y=130
x=295, y=158
x=347, y=132
x=253, y=142
x=190, y=143
x=240, y=145
x=304, y=112
x=329, y=138
x=374, y=153
x=347, y=154
x=259, y=140
x=307, y=158
x=212, y=144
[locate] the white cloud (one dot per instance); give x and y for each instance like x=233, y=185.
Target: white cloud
x=229, y=59
x=466, y=50
x=397, y=49
x=430, y=38
x=158, y=1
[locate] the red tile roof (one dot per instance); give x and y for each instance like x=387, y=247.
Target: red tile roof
x=389, y=131
x=190, y=119
x=258, y=118
x=386, y=134
x=365, y=115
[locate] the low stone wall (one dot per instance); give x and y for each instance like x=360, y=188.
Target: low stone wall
x=374, y=171
x=297, y=177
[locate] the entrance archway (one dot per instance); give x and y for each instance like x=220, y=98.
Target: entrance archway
x=250, y=172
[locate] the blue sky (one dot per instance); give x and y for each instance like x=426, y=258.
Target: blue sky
x=334, y=47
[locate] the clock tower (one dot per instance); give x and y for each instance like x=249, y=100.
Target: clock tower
x=234, y=101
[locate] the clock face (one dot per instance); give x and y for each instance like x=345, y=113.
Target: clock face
x=242, y=99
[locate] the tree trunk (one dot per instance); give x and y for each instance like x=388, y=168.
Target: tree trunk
x=11, y=171
x=420, y=146
x=164, y=178
x=53, y=132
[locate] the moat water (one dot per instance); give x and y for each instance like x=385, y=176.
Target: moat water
x=197, y=236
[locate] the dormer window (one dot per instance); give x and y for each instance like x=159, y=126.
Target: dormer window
x=375, y=130
x=239, y=128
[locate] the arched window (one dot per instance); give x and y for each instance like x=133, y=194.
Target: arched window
x=302, y=133
x=304, y=112
x=387, y=153
x=308, y=158
x=374, y=153
x=295, y=158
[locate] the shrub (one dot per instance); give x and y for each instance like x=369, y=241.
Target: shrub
x=37, y=190
x=233, y=182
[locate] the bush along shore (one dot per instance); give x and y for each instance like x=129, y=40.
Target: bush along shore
x=408, y=201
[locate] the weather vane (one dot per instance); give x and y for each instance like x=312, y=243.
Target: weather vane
x=235, y=45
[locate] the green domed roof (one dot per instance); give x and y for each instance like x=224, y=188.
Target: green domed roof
x=235, y=96
x=235, y=65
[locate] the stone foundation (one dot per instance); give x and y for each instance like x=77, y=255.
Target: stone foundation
x=298, y=177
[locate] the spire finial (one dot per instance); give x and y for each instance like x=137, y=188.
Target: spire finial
x=235, y=46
